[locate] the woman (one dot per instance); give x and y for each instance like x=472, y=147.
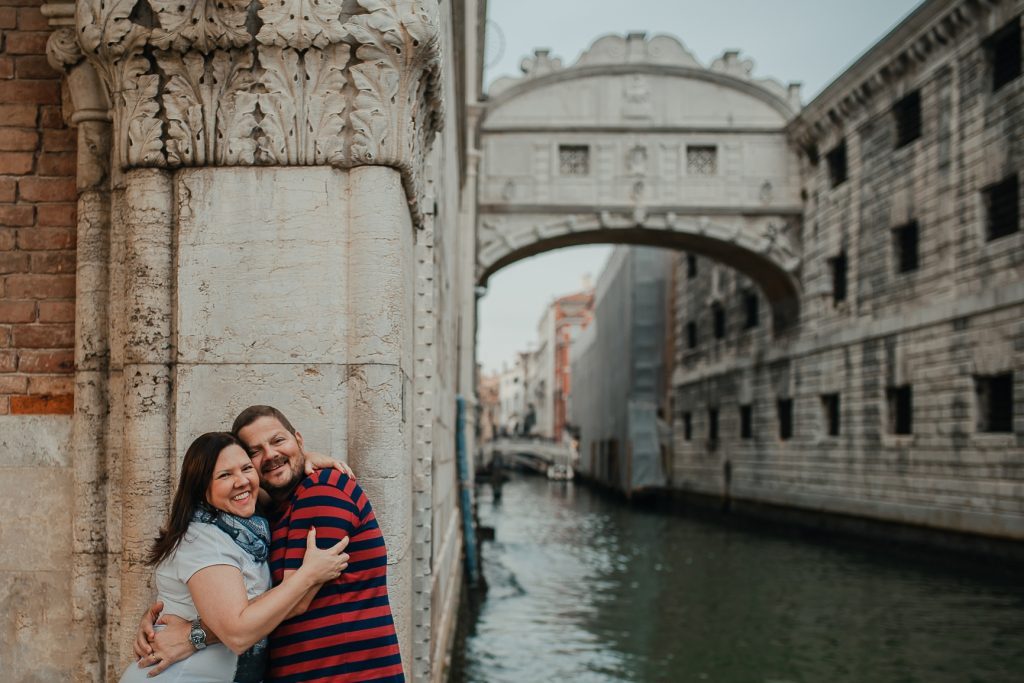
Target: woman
x=211, y=565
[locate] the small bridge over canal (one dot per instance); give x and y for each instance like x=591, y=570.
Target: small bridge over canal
x=532, y=454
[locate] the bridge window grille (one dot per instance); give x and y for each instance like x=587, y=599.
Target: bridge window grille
x=713, y=426
x=718, y=317
x=900, y=408
x=687, y=427
x=1002, y=208
x=746, y=422
x=701, y=160
x=1004, y=53
x=905, y=244
x=691, y=266
x=994, y=394
x=838, y=266
x=784, y=407
x=908, y=119
x=751, y=312
x=691, y=335
x=574, y=159
x=837, y=164
x=830, y=413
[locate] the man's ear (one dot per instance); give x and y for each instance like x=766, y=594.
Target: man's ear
x=298, y=440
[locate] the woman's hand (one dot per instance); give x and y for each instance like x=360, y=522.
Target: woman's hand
x=318, y=461
x=141, y=647
x=170, y=644
x=321, y=566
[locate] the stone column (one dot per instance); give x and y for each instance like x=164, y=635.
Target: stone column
x=266, y=165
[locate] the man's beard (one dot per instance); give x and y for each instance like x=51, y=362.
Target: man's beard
x=289, y=484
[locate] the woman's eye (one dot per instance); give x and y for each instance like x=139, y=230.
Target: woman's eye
x=248, y=468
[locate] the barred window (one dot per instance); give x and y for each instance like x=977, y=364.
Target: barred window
x=837, y=164
x=746, y=422
x=908, y=118
x=574, y=159
x=900, y=403
x=1004, y=53
x=702, y=160
x=994, y=407
x=905, y=244
x=1001, y=208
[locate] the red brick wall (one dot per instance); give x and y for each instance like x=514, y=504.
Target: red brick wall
x=37, y=221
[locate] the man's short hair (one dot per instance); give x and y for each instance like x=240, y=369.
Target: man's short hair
x=253, y=413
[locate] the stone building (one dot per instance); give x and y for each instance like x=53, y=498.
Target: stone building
x=207, y=205
x=619, y=373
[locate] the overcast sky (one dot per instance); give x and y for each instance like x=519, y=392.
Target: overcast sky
x=809, y=41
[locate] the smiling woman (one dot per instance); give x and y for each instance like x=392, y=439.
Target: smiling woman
x=211, y=567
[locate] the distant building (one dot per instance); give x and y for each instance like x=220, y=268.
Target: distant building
x=618, y=373
x=489, y=406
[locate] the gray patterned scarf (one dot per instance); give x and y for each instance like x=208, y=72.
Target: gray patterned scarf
x=252, y=534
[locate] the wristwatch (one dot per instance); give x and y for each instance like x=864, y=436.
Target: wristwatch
x=197, y=636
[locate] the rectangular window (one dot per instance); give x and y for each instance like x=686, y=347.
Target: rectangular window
x=718, y=316
x=784, y=407
x=904, y=239
x=830, y=413
x=907, y=113
x=900, y=407
x=701, y=160
x=1004, y=54
x=691, y=266
x=1002, y=210
x=751, y=314
x=713, y=425
x=687, y=426
x=746, y=422
x=574, y=159
x=994, y=402
x=837, y=265
x=837, y=164
x=691, y=335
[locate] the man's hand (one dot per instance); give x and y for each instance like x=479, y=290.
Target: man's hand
x=170, y=644
x=318, y=461
x=141, y=646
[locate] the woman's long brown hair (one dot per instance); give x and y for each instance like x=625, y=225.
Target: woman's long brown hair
x=196, y=473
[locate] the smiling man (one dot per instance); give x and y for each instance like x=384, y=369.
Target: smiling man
x=347, y=633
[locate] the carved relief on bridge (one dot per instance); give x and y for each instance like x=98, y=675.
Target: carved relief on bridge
x=272, y=82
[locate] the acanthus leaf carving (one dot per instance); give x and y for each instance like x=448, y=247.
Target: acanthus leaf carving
x=326, y=104
x=276, y=142
x=104, y=25
x=62, y=49
x=203, y=24
x=301, y=24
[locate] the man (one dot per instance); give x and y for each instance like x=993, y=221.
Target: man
x=347, y=633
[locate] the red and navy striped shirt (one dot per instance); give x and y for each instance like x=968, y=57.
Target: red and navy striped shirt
x=347, y=634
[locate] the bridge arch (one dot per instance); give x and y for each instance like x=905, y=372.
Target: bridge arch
x=638, y=143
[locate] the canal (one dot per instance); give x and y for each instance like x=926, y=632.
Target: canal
x=583, y=588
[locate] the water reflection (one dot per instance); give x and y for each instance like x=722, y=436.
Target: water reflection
x=586, y=589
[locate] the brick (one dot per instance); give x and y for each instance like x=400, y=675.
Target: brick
x=17, y=215
x=40, y=287
x=17, y=311
x=16, y=163
x=56, y=312
x=53, y=262
x=47, y=189
x=8, y=17
x=18, y=140
x=62, y=140
x=8, y=239
x=5, y=405
x=27, y=42
x=8, y=189
x=56, y=164
x=31, y=19
x=14, y=262
x=5, y=336
x=51, y=385
x=6, y=67
x=8, y=361
x=42, y=405
x=37, y=92
x=51, y=117
x=56, y=215
x=33, y=66
x=19, y=114
x=43, y=336
x=35, y=362
x=13, y=384
x=42, y=239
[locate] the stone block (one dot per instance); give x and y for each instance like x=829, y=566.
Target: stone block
x=28, y=490
x=37, y=614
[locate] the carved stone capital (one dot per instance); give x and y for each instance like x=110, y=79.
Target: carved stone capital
x=268, y=82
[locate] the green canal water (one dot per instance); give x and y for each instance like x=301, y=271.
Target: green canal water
x=583, y=588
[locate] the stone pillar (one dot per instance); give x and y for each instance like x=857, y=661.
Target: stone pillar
x=266, y=190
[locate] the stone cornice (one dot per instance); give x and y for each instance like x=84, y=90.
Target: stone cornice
x=928, y=29
x=266, y=82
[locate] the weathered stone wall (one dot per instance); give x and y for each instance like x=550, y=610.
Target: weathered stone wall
x=956, y=316
x=37, y=221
